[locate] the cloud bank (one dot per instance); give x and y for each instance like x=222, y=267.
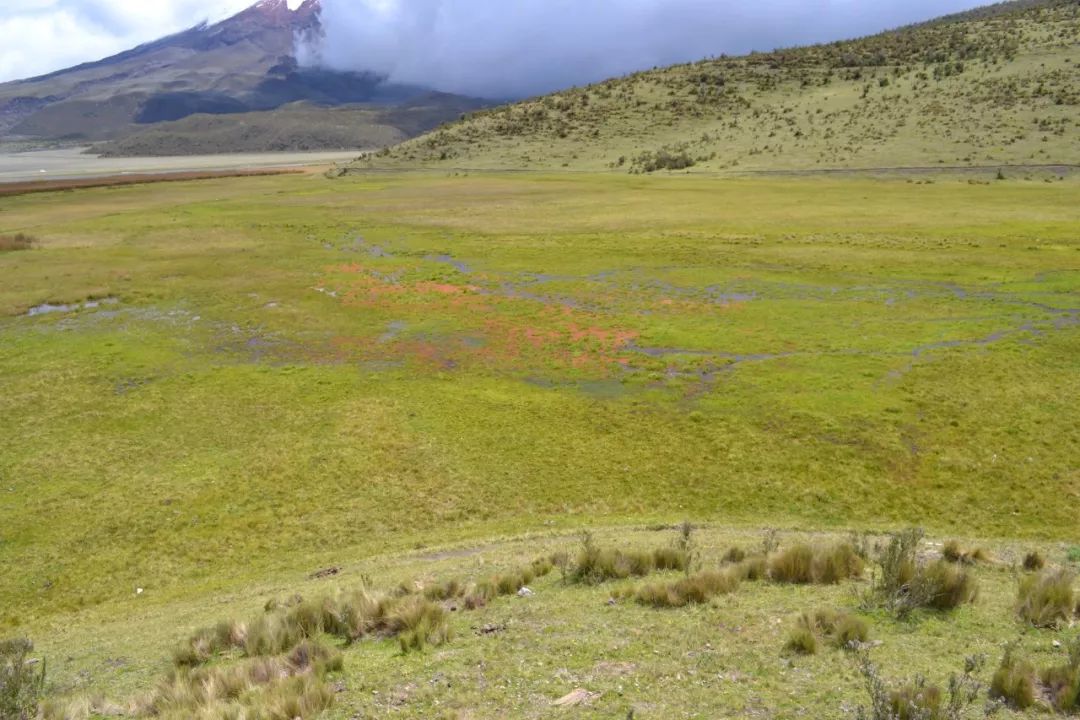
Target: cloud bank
x=515, y=48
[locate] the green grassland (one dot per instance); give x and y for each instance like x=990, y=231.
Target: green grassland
x=998, y=86
x=257, y=378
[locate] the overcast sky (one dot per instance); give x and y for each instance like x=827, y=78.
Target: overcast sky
x=481, y=47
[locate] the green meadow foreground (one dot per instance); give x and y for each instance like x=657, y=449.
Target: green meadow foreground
x=210, y=391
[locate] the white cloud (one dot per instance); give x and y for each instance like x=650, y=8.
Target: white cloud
x=39, y=36
x=507, y=48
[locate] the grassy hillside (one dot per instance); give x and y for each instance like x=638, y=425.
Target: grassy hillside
x=996, y=86
x=297, y=127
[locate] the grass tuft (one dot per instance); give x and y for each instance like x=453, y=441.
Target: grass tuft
x=804, y=565
x=1014, y=682
x=802, y=641
x=1034, y=561
x=942, y=586
x=954, y=553
x=1046, y=600
x=693, y=590
x=836, y=627
x=596, y=565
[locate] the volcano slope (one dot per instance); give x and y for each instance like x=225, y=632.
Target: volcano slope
x=996, y=86
x=211, y=391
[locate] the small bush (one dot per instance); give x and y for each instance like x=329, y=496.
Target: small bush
x=1073, y=554
x=1034, y=561
x=804, y=565
x=696, y=589
x=1046, y=600
x=917, y=699
x=1014, y=682
x=18, y=241
x=898, y=562
x=902, y=585
x=21, y=683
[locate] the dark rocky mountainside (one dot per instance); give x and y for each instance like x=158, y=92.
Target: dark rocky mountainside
x=244, y=64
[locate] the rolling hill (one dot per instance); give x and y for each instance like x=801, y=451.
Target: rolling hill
x=245, y=64
x=996, y=86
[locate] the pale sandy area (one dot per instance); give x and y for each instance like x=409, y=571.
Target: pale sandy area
x=71, y=163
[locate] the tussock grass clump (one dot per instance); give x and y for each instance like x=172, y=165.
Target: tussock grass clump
x=802, y=641
x=1019, y=684
x=692, y=590
x=943, y=586
x=1046, y=600
x=1034, y=561
x=18, y=241
x=836, y=627
x=804, y=565
x=1014, y=682
x=21, y=682
x=1062, y=683
x=287, y=686
x=954, y=553
x=417, y=623
x=596, y=565
x=734, y=555
x=753, y=568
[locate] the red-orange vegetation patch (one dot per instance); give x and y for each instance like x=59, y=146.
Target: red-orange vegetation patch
x=42, y=186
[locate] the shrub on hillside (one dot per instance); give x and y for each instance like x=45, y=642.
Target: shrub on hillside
x=1047, y=599
x=21, y=682
x=1034, y=561
x=917, y=699
x=902, y=585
